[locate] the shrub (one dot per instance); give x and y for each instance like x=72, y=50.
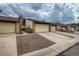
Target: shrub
x=29, y=30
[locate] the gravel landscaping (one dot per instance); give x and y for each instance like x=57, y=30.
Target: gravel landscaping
x=29, y=43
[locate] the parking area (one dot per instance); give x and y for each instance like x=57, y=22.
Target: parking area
x=8, y=44
x=76, y=36
x=59, y=39
x=63, y=41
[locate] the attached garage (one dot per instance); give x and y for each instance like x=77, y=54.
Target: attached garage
x=7, y=27
x=41, y=27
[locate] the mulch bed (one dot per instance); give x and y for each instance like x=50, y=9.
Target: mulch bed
x=29, y=43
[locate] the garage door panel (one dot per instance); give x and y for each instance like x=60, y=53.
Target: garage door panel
x=41, y=28
x=7, y=27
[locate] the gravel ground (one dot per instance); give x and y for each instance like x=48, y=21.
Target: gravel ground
x=29, y=43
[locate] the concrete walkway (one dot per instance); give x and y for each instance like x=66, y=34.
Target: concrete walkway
x=62, y=43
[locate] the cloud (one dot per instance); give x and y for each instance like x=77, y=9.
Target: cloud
x=52, y=12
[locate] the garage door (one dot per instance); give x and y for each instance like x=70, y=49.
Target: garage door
x=41, y=28
x=7, y=27
x=53, y=28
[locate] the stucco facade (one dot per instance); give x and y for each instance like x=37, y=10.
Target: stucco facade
x=38, y=26
x=29, y=23
x=58, y=28
x=63, y=28
x=53, y=28
x=17, y=27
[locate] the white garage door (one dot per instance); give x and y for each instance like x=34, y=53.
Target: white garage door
x=41, y=28
x=53, y=28
x=7, y=27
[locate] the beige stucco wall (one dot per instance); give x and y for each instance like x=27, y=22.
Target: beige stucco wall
x=7, y=27
x=58, y=28
x=17, y=30
x=77, y=27
x=63, y=28
x=41, y=28
x=53, y=28
x=29, y=24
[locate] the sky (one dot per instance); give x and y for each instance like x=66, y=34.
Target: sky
x=50, y=12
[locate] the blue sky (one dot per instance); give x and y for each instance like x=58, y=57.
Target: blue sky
x=51, y=12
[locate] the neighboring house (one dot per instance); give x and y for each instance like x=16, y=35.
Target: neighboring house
x=61, y=27
x=17, y=25
x=9, y=25
x=38, y=26
x=73, y=27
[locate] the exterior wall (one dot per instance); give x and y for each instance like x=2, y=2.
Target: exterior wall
x=63, y=28
x=6, y=27
x=53, y=28
x=69, y=27
x=58, y=28
x=77, y=28
x=41, y=27
x=17, y=27
x=29, y=24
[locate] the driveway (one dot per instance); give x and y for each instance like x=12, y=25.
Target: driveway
x=8, y=44
x=69, y=34
x=62, y=43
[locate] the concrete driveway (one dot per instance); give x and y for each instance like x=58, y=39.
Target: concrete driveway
x=8, y=44
x=69, y=34
x=62, y=43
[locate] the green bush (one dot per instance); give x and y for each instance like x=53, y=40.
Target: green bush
x=29, y=30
